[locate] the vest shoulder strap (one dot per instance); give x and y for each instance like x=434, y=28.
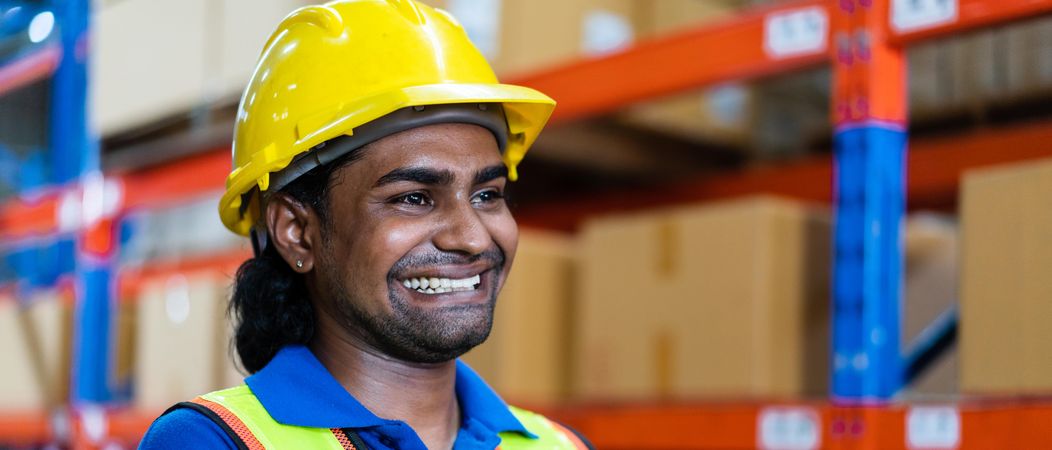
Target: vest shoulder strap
x=238, y=412
x=550, y=434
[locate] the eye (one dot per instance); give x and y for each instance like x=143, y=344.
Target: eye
x=413, y=199
x=487, y=197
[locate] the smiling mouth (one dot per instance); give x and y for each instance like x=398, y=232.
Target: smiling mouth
x=435, y=285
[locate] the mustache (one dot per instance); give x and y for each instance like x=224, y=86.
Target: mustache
x=494, y=256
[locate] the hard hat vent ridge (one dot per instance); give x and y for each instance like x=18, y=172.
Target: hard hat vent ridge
x=321, y=16
x=410, y=10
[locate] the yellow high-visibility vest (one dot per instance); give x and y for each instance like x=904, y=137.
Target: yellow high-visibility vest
x=239, y=411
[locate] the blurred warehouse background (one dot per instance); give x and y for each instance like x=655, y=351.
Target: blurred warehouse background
x=678, y=229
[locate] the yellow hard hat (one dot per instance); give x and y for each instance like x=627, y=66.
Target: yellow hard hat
x=328, y=70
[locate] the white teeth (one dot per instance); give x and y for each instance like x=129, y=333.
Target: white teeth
x=434, y=285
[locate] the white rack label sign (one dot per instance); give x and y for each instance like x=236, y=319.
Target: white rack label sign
x=933, y=427
x=605, y=32
x=796, y=32
x=912, y=15
x=789, y=428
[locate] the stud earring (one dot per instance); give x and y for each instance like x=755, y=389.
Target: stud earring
x=299, y=264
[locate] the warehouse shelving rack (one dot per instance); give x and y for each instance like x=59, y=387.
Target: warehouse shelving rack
x=863, y=42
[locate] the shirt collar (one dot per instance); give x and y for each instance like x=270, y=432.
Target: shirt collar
x=479, y=402
x=296, y=389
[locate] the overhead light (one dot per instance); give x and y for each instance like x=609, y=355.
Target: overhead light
x=41, y=26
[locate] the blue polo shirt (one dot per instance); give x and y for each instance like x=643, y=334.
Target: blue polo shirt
x=296, y=389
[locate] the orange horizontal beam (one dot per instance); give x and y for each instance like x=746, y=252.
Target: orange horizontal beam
x=935, y=166
x=983, y=425
x=974, y=14
x=130, y=282
x=177, y=181
x=1007, y=423
x=24, y=428
x=713, y=426
x=168, y=183
x=21, y=218
x=729, y=50
x=130, y=426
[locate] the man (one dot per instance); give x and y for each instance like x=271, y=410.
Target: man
x=371, y=153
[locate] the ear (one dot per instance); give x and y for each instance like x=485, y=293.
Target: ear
x=293, y=229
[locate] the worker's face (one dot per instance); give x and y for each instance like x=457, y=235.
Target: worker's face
x=418, y=243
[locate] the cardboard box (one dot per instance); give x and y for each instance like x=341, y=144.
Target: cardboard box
x=149, y=61
x=182, y=345
x=1027, y=56
x=35, y=338
x=662, y=17
x=521, y=36
x=157, y=58
x=244, y=26
x=725, y=299
x=1006, y=290
x=930, y=281
x=527, y=356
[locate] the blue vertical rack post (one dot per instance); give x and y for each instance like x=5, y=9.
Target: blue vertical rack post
x=869, y=106
x=75, y=161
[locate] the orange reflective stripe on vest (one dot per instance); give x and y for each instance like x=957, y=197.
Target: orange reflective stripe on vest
x=235, y=424
x=246, y=436
x=573, y=437
x=345, y=440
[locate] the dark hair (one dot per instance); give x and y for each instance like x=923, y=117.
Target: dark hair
x=270, y=304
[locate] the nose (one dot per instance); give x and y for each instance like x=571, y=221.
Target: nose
x=462, y=231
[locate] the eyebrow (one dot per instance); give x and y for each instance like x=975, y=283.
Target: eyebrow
x=420, y=175
x=491, y=173
x=423, y=175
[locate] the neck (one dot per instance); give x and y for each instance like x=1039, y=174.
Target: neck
x=422, y=395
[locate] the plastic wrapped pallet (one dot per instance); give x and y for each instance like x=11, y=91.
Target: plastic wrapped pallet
x=930, y=280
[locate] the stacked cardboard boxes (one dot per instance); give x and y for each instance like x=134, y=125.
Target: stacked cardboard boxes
x=728, y=299
x=1006, y=290
x=968, y=73
x=527, y=356
x=518, y=36
x=157, y=58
